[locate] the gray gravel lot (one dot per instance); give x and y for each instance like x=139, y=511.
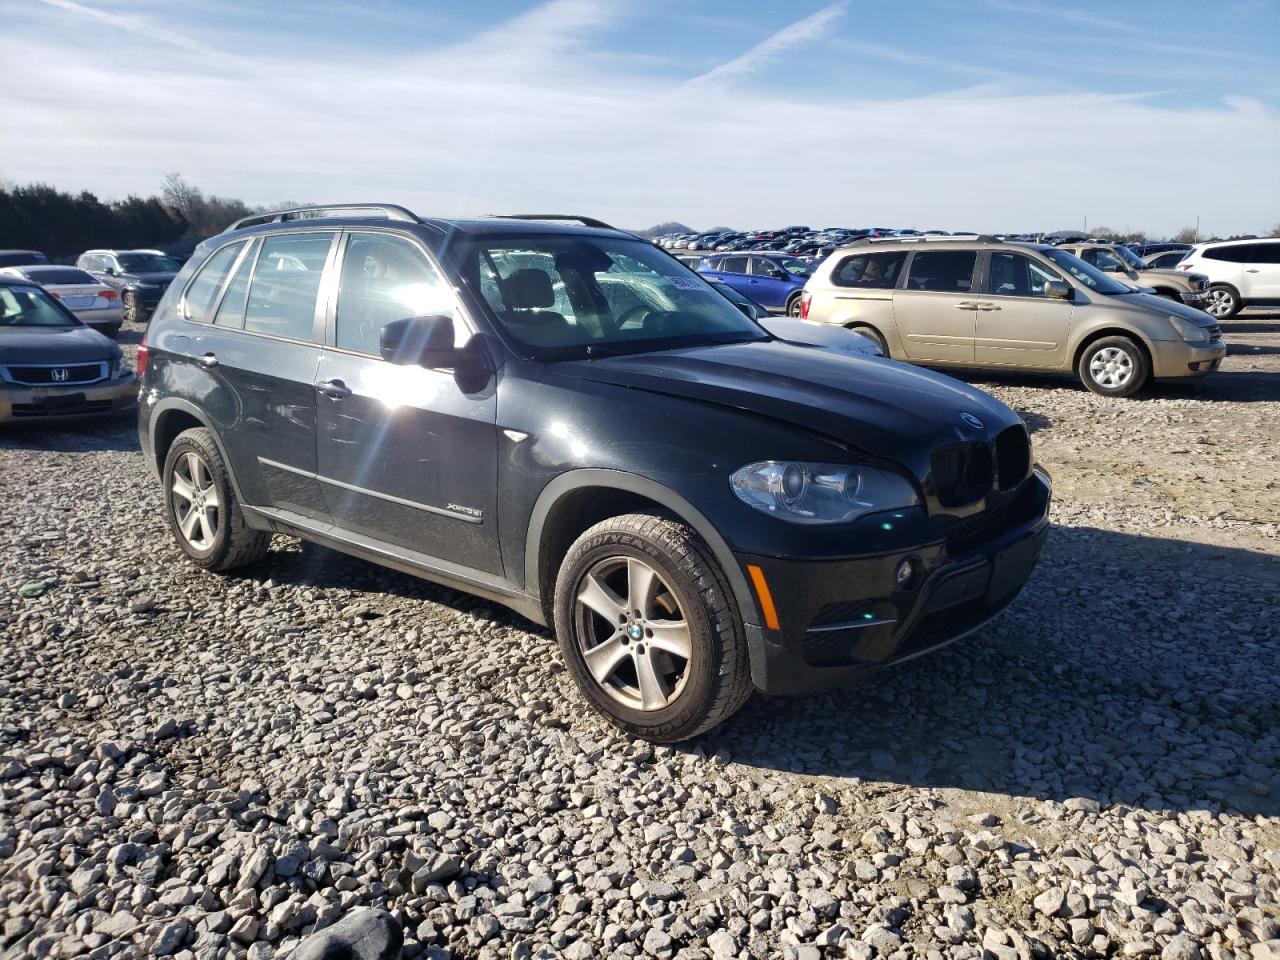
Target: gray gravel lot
x=196, y=766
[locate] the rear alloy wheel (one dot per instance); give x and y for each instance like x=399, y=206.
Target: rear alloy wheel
x=1223, y=302
x=201, y=505
x=793, y=306
x=1114, y=367
x=130, y=309
x=648, y=629
x=875, y=336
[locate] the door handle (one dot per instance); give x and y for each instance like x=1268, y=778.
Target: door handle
x=966, y=305
x=334, y=389
x=987, y=306
x=209, y=360
x=1251, y=270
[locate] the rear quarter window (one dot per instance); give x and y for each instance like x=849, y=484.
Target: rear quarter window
x=876, y=271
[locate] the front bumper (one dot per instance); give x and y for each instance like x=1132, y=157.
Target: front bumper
x=1177, y=359
x=841, y=619
x=22, y=404
x=1195, y=298
x=148, y=299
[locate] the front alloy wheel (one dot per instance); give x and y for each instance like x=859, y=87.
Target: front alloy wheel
x=1222, y=303
x=632, y=633
x=648, y=628
x=129, y=308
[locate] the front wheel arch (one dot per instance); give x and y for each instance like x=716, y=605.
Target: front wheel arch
x=539, y=566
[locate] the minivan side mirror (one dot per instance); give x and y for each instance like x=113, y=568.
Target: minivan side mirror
x=1057, y=289
x=425, y=341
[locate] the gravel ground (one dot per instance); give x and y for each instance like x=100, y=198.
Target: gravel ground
x=199, y=766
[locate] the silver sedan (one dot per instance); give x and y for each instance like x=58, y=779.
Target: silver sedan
x=94, y=303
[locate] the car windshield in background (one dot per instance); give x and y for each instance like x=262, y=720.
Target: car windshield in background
x=30, y=307
x=795, y=267
x=148, y=263
x=21, y=259
x=58, y=276
x=578, y=296
x=1131, y=258
x=1091, y=277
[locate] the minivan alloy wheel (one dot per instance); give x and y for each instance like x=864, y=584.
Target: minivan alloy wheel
x=632, y=633
x=1111, y=367
x=196, y=504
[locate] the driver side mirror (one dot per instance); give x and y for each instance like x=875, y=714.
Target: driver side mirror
x=1057, y=289
x=425, y=341
x=109, y=271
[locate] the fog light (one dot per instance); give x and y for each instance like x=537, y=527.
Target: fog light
x=906, y=572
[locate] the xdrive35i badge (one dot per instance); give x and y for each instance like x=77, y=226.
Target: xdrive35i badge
x=970, y=420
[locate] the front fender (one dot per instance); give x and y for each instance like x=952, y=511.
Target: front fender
x=573, y=480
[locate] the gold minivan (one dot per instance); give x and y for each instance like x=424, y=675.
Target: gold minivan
x=981, y=302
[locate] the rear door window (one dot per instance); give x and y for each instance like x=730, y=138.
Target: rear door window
x=877, y=271
x=733, y=265
x=202, y=295
x=286, y=282
x=942, y=271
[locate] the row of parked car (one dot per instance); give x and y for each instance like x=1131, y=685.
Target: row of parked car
x=105, y=288
x=1219, y=277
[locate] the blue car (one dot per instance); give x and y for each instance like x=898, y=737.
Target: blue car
x=773, y=279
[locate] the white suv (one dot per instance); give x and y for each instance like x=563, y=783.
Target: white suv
x=1242, y=273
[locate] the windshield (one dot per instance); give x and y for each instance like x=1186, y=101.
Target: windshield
x=30, y=307
x=794, y=266
x=1129, y=257
x=566, y=296
x=1091, y=277
x=147, y=263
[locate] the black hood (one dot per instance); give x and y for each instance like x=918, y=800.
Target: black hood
x=884, y=409
x=54, y=345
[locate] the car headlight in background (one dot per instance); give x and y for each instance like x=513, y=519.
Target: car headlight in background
x=819, y=492
x=120, y=368
x=1188, y=331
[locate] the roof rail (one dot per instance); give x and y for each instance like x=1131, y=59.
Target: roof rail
x=585, y=221
x=389, y=211
x=929, y=238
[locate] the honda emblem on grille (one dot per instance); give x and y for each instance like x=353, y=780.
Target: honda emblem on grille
x=970, y=420
x=60, y=374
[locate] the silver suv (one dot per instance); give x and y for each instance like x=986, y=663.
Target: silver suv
x=979, y=302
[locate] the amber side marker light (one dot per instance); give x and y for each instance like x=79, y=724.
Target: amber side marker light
x=766, y=598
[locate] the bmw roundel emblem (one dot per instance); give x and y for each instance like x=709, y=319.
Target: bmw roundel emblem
x=971, y=420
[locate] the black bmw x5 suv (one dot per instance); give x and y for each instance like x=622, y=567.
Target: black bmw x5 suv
x=558, y=416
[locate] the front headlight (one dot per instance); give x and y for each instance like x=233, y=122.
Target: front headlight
x=819, y=492
x=120, y=368
x=1188, y=331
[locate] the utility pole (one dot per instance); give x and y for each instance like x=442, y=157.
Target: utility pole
x=1197, y=228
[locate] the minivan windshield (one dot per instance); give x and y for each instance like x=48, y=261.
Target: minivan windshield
x=148, y=263
x=1091, y=277
x=31, y=307
x=565, y=296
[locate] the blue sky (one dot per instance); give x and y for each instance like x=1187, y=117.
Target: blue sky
x=955, y=114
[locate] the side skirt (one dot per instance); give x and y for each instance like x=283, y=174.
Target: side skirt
x=455, y=576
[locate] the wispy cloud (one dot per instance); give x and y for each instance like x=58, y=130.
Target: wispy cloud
x=770, y=49
x=131, y=24
x=540, y=112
